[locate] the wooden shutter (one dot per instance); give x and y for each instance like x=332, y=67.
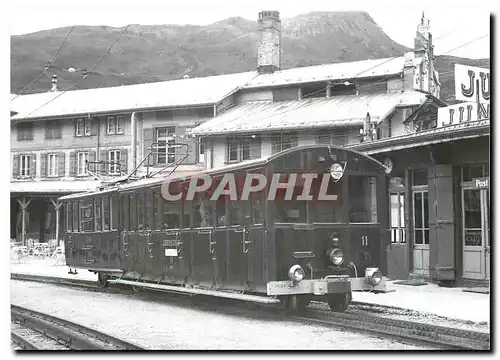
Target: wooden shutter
x=29, y=130
x=181, y=137
x=255, y=148
x=94, y=126
x=43, y=165
x=15, y=166
x=124, y=160
x=72, y=163
x=61, y=164
x=275, y=143
x=57, y=131
x=32, y=165
x=48, y=131
x=148, y=139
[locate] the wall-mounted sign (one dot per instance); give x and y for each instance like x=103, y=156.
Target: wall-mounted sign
x=481, y=183
x=472, y=84
x=461, y=113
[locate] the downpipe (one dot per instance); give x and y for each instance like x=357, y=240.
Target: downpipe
x=133, y=124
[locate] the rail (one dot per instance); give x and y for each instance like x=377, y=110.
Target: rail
x=69, y=334
x=453, y=338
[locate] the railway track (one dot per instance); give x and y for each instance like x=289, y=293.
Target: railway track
x=439, y=337
x=33, y=330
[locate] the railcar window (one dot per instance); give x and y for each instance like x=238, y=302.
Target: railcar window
x=125, y=212
x=157, y=210
x=171, y=215
x=290, y=211
x=133, y=213
x=87, y=218
x=327, y=211
x=69, y=217
x=147, y=211
x=105, y=213
x=186, y=214
x=220, y=212
x=140, y=211
x=75, y=216
x=113, y=212
x=257, y=208
x=203, y=212
x=362, y=199
x=97, y=212
x=236, y=212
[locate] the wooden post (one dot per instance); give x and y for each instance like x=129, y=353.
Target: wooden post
x=57, y=206
x=24, y=205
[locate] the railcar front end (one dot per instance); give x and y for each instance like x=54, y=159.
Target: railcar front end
x=330, y=234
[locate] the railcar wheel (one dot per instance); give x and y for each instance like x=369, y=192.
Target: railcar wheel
x=294, y=304
x=102, y=280
x=339, y=302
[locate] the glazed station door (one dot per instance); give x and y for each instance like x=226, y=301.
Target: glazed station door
x=476, y=233
x=420, y=232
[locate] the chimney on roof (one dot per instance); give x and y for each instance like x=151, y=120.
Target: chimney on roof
x=54, y=83
x=269, y=43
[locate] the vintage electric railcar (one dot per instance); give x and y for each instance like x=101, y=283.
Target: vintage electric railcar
x=286, y=249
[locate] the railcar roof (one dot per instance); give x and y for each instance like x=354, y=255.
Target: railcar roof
x=157, y=181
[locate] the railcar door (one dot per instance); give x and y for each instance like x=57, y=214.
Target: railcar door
x=129, y=248
x=238, y=245
x=255, y=247
x=169, y=239
x=205, y=243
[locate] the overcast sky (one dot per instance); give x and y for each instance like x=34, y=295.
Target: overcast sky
x=453, y=23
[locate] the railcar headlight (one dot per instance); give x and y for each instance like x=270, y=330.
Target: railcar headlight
x=337, y=171
x=337, y=257
x=373, y=275
x=296, y=273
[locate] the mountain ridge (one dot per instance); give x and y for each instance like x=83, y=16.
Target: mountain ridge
x=150, y=53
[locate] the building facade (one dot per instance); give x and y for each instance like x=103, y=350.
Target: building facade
x=440, y=202
x=66, y=142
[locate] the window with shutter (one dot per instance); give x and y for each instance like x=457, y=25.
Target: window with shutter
x=24, y=131
x=52, y=165
x=284, y=141
x=52, y=130
x=110, y=129
x=79, y=127
x=165, y=136
x=232, y=149
x=87, y=127
x=25, y=165
x=114, y=158
x=82, y=158
x=119, y=125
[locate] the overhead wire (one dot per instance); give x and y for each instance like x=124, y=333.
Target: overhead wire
x=82, y=79
x=46, y=67
x=307, y=95
x=373, y=67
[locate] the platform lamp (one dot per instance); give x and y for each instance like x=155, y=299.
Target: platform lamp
x=329, y=85
x=365, y=130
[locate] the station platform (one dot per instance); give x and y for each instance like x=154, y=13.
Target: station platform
x=454, y=303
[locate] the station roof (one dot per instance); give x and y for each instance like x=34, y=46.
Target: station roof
x=337, y=111
x=203, y=91
x=191, y=92
x=55, y=187
x=337, y=71
x=439, y=135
